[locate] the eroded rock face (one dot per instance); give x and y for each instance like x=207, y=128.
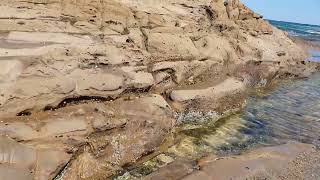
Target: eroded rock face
x=211, y=101
x=77, y=77
x=23, y=162
x=101, y=135
x=54, y=50
x=229, y=86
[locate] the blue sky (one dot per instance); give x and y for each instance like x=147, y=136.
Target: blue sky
x=301, y=11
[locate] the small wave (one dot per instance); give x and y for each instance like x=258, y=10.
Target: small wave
x=313, y=32
x=305, y=31
x=292, y=33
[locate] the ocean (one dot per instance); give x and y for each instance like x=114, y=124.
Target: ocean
x=307, y=32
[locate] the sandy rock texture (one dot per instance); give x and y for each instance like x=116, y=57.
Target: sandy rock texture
x=52, y=50
x=89, y=141
x=276, y=162
x=89, y=80
x=288, y=161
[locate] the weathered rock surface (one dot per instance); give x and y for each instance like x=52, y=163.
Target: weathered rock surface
x=23, y=162
x=288, y=161
x=53, y=50
x=263, y=163
x=99, y=136
x=229, y=86
x=63, y=62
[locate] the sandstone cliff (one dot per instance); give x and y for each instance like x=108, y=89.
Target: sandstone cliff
x=87, y=81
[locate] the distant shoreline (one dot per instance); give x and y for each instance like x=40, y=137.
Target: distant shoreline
x=305, y=24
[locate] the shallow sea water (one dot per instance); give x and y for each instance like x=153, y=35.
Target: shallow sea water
x=314, y=55
x=291, y=112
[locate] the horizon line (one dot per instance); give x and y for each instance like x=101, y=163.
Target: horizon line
x=291, y=22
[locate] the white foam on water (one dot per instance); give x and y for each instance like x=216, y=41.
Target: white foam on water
x=313, y=32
